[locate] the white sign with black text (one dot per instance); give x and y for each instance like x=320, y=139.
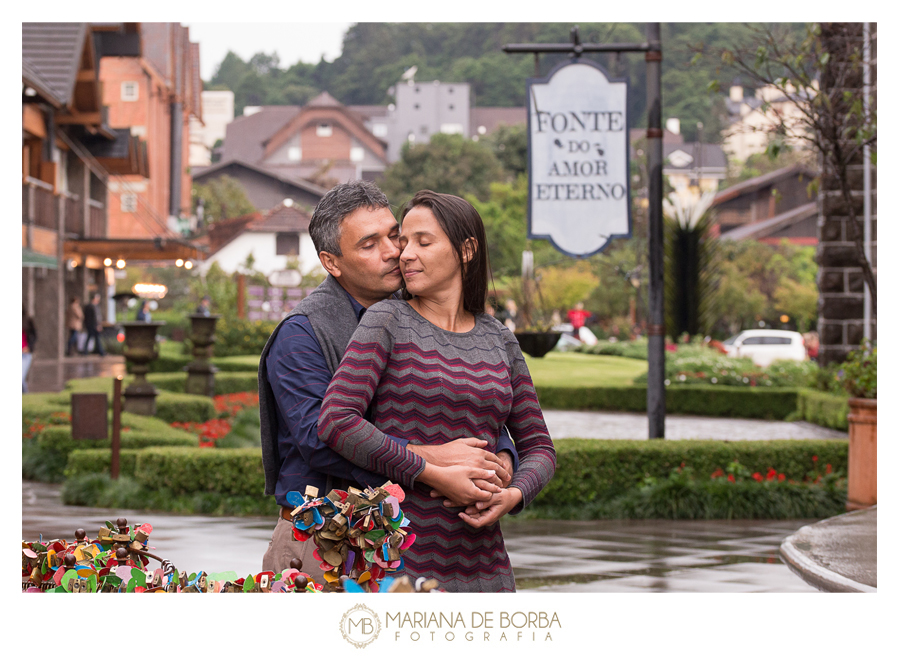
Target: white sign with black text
x=578, y=159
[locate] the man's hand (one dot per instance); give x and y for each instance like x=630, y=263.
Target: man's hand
x=486, y=513
x=467, y=452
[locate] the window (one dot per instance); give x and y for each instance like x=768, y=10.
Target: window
x=129, y=202
x=287, y=244
x=450, y=106
x=129, y=91
x=753, y=340
x=294, y=153
x=416, y=106
x=776, y=340
x=379, y=130
x=357, y=153
x=323, y=130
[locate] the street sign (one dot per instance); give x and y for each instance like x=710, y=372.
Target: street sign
x=285, y=278
x=579, y=192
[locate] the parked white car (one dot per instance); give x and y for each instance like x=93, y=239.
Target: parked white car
x=767, y=345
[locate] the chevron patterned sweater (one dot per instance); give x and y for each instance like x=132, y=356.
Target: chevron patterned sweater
x=432, y=386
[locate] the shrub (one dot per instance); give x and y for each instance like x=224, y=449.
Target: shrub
x=98, y=490
x=236, y=336
x=701, y=365
x=591, y=470
x=225, y=382
x=706, y=400
x=98, y=460
x=628, y=349
x=190, y=470
x=44, y=458
x=823, y=409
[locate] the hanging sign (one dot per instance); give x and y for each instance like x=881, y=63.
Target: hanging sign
x=579, y=193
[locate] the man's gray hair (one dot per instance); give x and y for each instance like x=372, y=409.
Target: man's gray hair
x=340, y=201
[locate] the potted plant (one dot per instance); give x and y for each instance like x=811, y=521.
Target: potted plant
x=533, y=331
x=859, y=377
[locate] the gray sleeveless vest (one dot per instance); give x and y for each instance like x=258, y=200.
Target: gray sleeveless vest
x=333, y=320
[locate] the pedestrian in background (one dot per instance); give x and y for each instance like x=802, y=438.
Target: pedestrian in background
x=74, y=323
x=29, y=338
x=203, y=306
x=92, y=325
x=143, y=314
x=578, y=316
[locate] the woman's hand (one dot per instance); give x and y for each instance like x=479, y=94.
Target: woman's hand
x=485, y=513
x=464, y=484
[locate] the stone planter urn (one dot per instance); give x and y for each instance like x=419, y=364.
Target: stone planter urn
x=200, y=372
x=140, y=349
x=537, y=343
x=862, y=457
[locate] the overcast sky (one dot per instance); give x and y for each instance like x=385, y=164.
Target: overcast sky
x=293, y=42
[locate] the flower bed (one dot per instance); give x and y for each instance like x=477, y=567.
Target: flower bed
x=228, y=408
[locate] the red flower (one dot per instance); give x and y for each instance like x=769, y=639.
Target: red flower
x=828, y=468
x=770, y=474
x=781, y=477
x=730, y=477
x=717, y=474
x=815, y=459
x=757, y=477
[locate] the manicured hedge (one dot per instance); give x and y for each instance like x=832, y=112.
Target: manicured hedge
x=823, y=409
x=45, y=457
x=231, y=471
x=589, y=470
x=225, y=382
x=697, y=400
x=97, y=460
x=178, y=362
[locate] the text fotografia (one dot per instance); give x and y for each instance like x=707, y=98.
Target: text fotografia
x=479, y=626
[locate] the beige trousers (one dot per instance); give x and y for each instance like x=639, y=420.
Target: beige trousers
x=283, y=548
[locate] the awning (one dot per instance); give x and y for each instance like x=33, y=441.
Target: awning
x=135, y=249
x=34, y=259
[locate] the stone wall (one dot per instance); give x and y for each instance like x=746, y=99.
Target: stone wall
x=840, y=278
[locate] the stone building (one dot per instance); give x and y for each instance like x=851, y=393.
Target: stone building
x=840, y=278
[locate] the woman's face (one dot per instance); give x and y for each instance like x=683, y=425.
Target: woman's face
x=428, y=262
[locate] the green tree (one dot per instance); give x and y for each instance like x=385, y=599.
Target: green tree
x=510, y=145
x=223, y=198
x=451, y=164
x=761, y=282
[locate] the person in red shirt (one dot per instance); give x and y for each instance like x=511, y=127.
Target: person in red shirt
x=577, y=317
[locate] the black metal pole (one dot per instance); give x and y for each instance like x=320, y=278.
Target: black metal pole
x=656, y=349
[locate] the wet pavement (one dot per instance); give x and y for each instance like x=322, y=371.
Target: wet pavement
x=548, y=556
x=623, y=425
x=50, y=376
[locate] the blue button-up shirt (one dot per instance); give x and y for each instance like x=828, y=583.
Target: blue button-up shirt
x=299, y=377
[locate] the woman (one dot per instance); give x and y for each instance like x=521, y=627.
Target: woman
x=434, y=367
x=74, y=321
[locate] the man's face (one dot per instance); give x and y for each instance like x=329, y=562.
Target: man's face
x=369, y=265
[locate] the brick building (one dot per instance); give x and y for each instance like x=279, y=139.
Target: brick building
x=153, y=94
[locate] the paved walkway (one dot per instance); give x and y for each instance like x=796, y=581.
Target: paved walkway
x=50, y=376
x=547, y=556
x=623, y=425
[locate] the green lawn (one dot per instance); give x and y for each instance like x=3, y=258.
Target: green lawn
x=574, y=369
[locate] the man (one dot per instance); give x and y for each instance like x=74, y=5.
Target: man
x=357, y=239
x=92, y=325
